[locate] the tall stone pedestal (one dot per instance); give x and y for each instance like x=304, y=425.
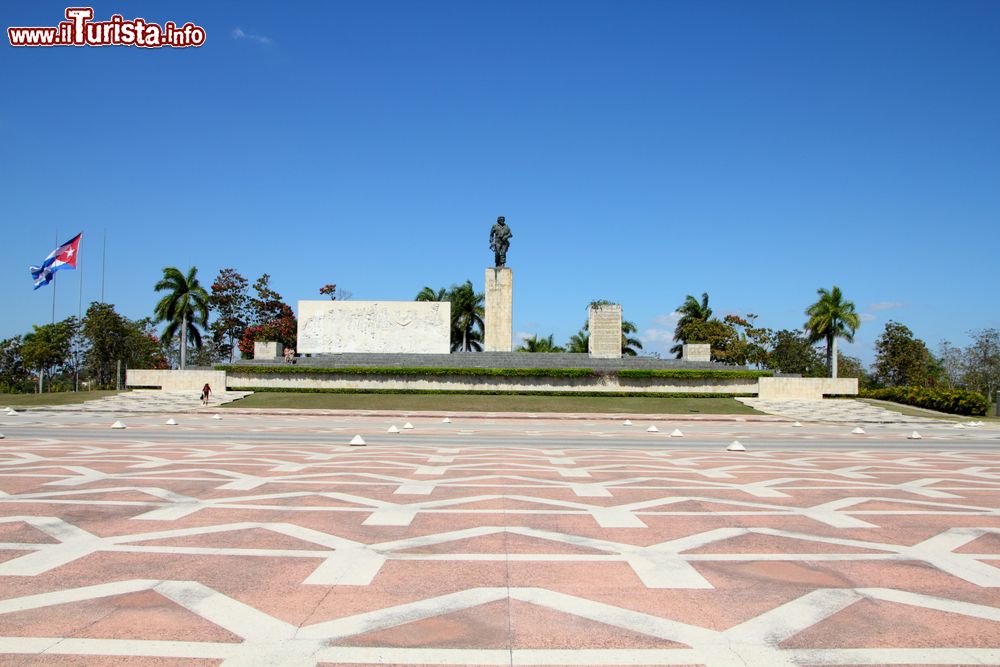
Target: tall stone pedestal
x=605, y=325
x=499, y=310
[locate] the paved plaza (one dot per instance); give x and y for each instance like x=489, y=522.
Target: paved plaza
x=266, y=539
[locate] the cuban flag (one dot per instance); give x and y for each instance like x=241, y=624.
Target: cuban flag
x=63, y=257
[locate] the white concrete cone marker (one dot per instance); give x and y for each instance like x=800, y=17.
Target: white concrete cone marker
x=676, y=433
x=407, y=425
x=118, y=424
x=216, y=416
x=171, y=422
x=392, y=429
x=11, y=412
x=797, y=425
x=627, y=422
x=357, y=440
x=736, y=446
x=914, y=436
x=959, y=425
x=446, y=420
x=652, y=429
x=858, y=431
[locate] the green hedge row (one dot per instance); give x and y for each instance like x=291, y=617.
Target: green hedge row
x=289, y=369
x=486, y=392
x=952, y=401
x=692, y=374
x=679, y=373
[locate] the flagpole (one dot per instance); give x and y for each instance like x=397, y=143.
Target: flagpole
x=104, y=257
x=79, y=320
x=54, y=285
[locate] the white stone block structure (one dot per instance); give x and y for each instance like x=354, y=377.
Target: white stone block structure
x=388, y=327
x=697, y=352
x=268, y=349
x=605, y=324
x=499, y=318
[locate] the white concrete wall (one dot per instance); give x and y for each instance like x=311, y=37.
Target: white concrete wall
x=696, y=352
x=336, y=327
x=174, y=380
x=498, y=319
x=789, y=389
x=605, y=325
x=268, y=349
x=471, y=383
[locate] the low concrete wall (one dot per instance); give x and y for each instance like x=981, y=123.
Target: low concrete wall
x=789, y=389
x=171, y=380
x=607, y=383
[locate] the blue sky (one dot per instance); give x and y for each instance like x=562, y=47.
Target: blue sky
x=641, y=151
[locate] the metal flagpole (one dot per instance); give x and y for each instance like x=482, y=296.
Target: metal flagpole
x=104, y=257
x=79, y=318
x=54, y=285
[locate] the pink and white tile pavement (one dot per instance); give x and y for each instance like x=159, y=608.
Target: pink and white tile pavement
x=268, y=540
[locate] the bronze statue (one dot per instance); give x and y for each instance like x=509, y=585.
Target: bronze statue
x=499, y=241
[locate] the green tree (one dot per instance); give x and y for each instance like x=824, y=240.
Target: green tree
x=536, y=344
x=793, y=354
x=629, y=343
x=184, y=308
x=580, y=341
x=851, y=367
x=467, y=312
x=230, y=302
x=111, y=338
x=901, y=360
x=722, y=338
x=982, y=362
x=48, y=347
x=267, y=306
x=428, y=294
x=692, y=315
x=13, y=373
x=830, y=318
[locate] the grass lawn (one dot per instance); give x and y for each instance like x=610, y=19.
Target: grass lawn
x=481, y=403
x=911, y=411
x=57, y=398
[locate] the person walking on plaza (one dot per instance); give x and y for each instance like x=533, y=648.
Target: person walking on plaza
x=206, y=391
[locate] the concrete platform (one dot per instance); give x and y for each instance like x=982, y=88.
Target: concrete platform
x=267, y=539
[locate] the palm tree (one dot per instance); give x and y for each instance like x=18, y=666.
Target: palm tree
x=428, y=294
x=629, y=344
x=830, y=318
x=467, y=314
x=690, y=311
x=580, y=341
x=185, y=307
x=536, y=344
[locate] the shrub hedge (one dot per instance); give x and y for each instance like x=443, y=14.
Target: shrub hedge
x=692, y=373
x=678, y=373
x=487, y=392
x=952, y=401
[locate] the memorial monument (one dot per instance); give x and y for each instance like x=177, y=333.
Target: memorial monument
x=499, y=334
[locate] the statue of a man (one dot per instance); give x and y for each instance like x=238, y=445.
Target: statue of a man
x=499, y=241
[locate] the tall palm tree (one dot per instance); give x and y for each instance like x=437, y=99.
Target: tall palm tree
x=830, y=318
x=629, y=344
x=536, y=344
x=184, y=308
x=467, y=312
x=690, y=311
x=580, y=341
x=428, y=294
